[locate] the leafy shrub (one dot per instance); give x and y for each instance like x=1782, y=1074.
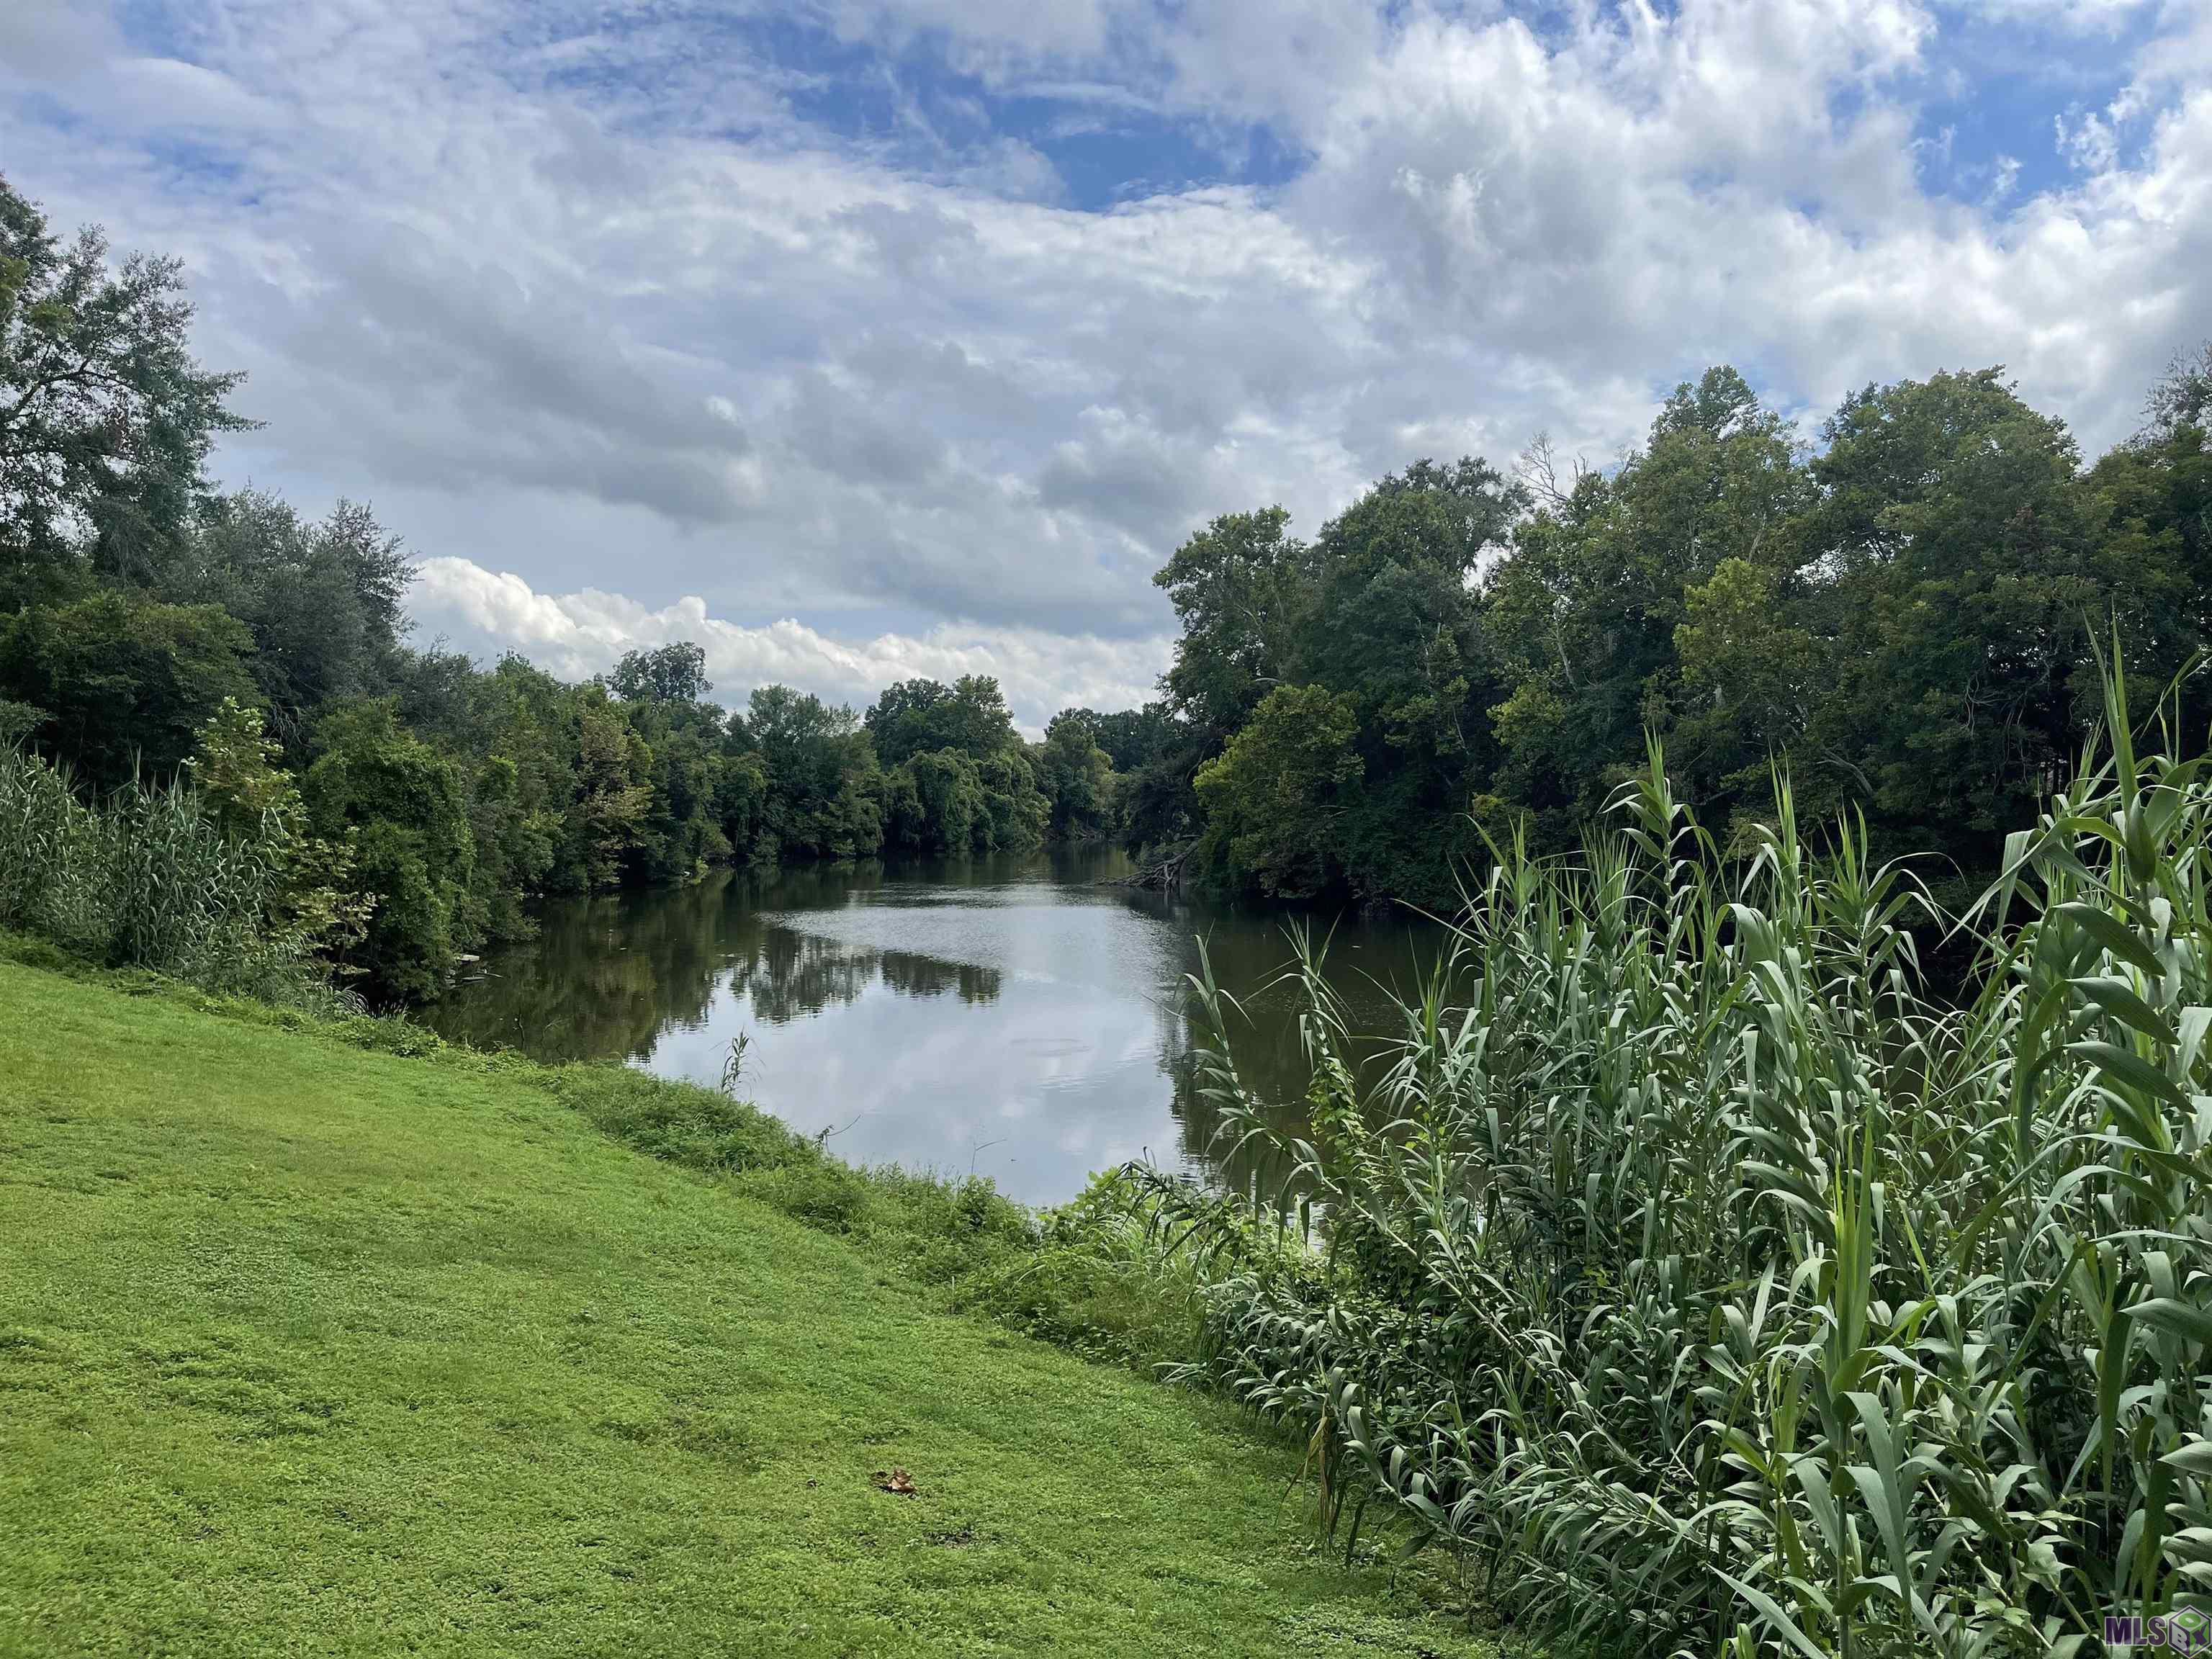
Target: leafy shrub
x=1097, y=1278
x=127, y=683
x=826, y=1196
x=18, y=721
x=251, y=798
x=398, y=804
x=680, y=1122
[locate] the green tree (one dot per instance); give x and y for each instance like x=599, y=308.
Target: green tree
x=106, y=419
x=1075, y=776
x=911, y=717
x=1275, y=799
x=516, y=849
x=914, y=717
x=125, y=684
x=1396, y=627
x=1957, y=590
x=1018, y=813
x=314, y=903
x=741, y=791
x=1241, y=590
x=1581, y=616
x=400, y=805
x=1132, y=737
x=1748, y=678
x=2150, y=508
x=238, y=770
x=681, y=833
x=606, y=814
x=825, y=790
x=674, y=673
x=323, y=601
x=948, y=813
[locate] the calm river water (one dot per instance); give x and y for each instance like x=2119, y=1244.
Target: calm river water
x=1010, y=1017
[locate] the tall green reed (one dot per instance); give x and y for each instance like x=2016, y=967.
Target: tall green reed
x=1705, y=1282
x=147, y=878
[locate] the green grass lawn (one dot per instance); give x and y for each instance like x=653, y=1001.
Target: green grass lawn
x=305, y=1349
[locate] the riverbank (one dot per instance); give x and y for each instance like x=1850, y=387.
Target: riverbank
x=309, y=1346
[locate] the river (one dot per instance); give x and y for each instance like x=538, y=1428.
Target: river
x=1013, y=1017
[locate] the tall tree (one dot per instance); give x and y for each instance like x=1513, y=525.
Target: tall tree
x=1276, y=798
x=613, y=793
x=2149, y=503
x=106, y=417
x=674, y=673
x=1394, y=627
x=1132, y=737
x=914, y=717
x=325, y=601
x=825, y=789
x=1583, y=616
x=1958, y=590
x=1077, y=777
x=123, y=684
x=1240, y=588
x=399, y=805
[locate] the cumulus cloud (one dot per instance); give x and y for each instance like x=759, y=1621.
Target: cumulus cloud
x=55, y=37
x=585, y=633
x=945, y=324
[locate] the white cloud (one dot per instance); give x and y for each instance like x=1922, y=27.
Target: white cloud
x=606, y=299
x=2087, y=140
x=55, y=37
x=581, y=634
x=163, y=95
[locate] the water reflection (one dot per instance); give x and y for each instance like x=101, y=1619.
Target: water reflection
x=789, y=975
x=1013, y=1017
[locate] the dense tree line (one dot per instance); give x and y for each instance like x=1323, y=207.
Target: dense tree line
x=1906, y=607
x=153, y=629
x=1907, y=610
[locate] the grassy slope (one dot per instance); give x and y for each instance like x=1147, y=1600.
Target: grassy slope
x=305, y=1349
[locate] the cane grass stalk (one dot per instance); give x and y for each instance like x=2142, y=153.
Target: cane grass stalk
x=1707, y=1280
x=146, y=877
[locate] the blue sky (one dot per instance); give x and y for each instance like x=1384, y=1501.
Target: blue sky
x=859, y=338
